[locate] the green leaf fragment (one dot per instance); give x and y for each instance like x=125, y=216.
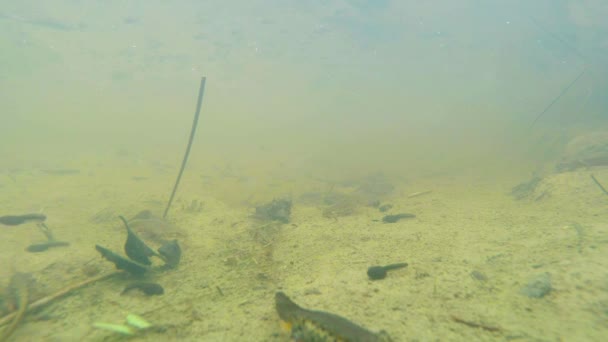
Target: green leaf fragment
x=119, y=328
x=138, y=321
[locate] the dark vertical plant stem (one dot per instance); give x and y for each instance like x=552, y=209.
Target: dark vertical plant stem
x=199, y=102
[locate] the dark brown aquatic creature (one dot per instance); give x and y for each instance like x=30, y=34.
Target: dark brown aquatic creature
x=149, y=289
x=43, y=246
x=122, y=263
x=396, y=217
x=15, y=220
x=310, y=325
x=171, y=253
x=379, y=272
x=151, y=228
x=135, y=248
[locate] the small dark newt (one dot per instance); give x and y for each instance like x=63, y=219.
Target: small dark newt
x=319, y=324
x=396, y=217
x=43, y=246
x=15, y=220
x=150, y=289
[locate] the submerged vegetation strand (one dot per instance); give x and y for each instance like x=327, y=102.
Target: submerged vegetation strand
x=199, y=102
x=599, y=184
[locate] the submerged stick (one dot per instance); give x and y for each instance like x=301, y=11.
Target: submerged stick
x=199, y=102
x=475, y=324
x=19, y=288
x=50, y=298
x=599, y=184
x=564, y=91
x=571, y=49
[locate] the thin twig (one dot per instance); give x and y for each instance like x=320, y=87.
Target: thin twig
x=52, y=297
x=598, y=184
x=563, y=92
x=19, y=285
x=199, y=103
x=475, y=324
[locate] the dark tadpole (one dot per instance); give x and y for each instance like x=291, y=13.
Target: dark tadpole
x=121, y=262
x=171, y=253
x=43, y=246
x=135, y=248
x=396, y=217
x=149, y=289
x=15, y=220
x=379, y=272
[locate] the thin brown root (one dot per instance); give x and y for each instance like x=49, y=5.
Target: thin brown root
x=475, y=324
x=20, y=287
x=63, y=292
x=599, y=185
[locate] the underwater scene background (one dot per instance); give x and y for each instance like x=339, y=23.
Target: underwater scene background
x=464, y=141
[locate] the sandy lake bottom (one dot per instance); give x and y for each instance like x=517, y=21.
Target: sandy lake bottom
x=472, y=251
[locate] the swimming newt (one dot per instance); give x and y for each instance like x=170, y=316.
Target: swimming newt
x=310, y=325
x=15, y=220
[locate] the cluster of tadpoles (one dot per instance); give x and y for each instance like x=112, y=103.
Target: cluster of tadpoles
x=39, y=220
x=138, y=253
x=137, y=263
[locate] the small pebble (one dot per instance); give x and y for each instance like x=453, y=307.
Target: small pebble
x=538, y=286
x=385, y=207
x=478, y=276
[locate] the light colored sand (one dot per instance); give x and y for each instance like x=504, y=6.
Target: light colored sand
x=320, y=262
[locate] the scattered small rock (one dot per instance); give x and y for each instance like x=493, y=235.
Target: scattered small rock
x=538, y=286
x=477, y=275
x=277, y=210
x=385, y=207
x=525, y=189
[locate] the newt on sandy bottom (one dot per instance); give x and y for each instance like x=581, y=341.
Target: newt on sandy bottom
x=15, y=220
x=309, y=325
